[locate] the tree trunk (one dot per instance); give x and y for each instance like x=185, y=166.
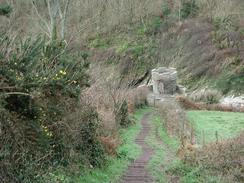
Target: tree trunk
x=63, y=16
x=53, y=6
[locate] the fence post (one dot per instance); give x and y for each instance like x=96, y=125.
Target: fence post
x=203, y=136
x=217, y=137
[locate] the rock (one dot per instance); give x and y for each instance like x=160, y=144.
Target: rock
x=235, y=102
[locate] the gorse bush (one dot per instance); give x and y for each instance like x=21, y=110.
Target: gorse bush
x=43, y=122
x=90, y=144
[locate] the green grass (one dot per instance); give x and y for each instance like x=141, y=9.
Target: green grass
x=171, y=142
x=190, y=174
x=227, y=124
x=113, y=170
x=157, y=162
x=157, y=159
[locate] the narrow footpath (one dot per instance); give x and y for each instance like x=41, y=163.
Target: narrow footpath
x=137, y=172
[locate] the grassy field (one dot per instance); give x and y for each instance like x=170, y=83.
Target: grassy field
x=207, y=123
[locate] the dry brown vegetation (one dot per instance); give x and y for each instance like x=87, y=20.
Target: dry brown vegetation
x=86, y=17
x=110, y=144
x=224, y=158
x=137, y=98
x=189, y=104
x=175, y=120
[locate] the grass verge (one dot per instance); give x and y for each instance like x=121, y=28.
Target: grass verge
x=162, y=145
x=193, y=174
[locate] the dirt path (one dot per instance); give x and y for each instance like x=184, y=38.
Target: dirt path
x=137, y=172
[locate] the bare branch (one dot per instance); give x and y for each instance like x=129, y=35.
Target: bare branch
x=19, y=93
x=63, y=16
x=41, y=18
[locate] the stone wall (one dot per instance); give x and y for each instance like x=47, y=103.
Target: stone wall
x=164, y=81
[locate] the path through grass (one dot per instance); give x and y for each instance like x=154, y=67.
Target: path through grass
x=113, y=170
x=127, y=152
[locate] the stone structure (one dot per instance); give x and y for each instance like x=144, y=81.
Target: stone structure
x=164, y=81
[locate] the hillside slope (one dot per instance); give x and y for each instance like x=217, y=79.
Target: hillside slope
x=206, y=52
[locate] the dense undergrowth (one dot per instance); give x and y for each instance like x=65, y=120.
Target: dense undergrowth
x=44, y=121
x=114, y=167
x=217, y=163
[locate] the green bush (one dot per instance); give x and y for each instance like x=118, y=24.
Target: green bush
x=90, y=144
x=231, y=82
x=166, y=10
x=189, y=8
x=226, y=23
x=193, y=174
x=5, y=9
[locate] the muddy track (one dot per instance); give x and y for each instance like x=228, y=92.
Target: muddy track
x=137, y=171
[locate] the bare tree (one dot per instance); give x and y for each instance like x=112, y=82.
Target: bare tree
x=57, y=11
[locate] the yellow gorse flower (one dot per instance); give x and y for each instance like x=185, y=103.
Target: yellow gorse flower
x=62, y=72
x=46, y=130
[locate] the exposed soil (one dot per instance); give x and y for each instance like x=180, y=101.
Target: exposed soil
x=137, y=171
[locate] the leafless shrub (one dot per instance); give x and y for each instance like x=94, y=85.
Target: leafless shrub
x=107, y=94
x=137, y=98
x=86, y=16
x=206, y=95
x=175, y=119
x=225, y=158
x=110, y=144
x=186, y=103
x=220, y=8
